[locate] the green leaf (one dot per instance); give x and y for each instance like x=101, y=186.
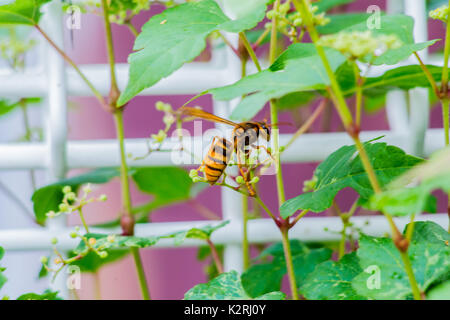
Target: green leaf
x=2, y=277
x=103, y=243
x=91, y=262
x=7, y=106
x=439, y=292
x=266, y=277
x=299, y=68
x=176, y=36
x=49, y=197
x=325, y=5
x=295, y=100
x=226, y=286
x=339, y=22
x=385, y=277
x=47, y=295
x=167, y=184
x=202, y=233
x=276, y=250
x=332, y=280
x=405, y=78
x=22, y=12
x=411, y=194
x=343, y=168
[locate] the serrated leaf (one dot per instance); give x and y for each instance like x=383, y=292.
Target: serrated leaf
x=332, y=280
x=49, y=197
x=176, y=36
x=411, y=193
x=103, y=243
x=266, y=277
x=200, y=233
x=47, y=295
x=299, y=68
x=26, y=12
x=385, y=277
x=405, y=78
x=226, y=286
x=343, y=169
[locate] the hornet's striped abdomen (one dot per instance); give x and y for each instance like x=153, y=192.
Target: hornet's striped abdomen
x=217, y=159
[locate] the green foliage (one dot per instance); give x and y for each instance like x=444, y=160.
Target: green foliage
x=7, y=106
x=49, y=197
x=201, y=233
x=332, y=280
x=286, y=75
x=405, y=78
x=26, y=12
x=325, y=5
x=105, y=242
x=343, y=168
x=91, y=262
x=440, y=292
x=339, y=22
x=226, y=286
x=176, y=36
x=403, y=198
x=263, y=278
x=47, y=295
x=428, y=252
x=204, y=254
x=2, y=277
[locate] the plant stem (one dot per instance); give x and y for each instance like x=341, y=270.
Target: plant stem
x=127, y=219
x=225, y=40
x=261, y=38
x=274, y=112
x=245, y=245
x=289, y=264
x=342, y=242
x=132, y=28
x=141, y=275
x=250, y=50
x=297, y=218
x=367, y=165
x=428, y=75
x=411, y=277
x=445, y=117
x=341, y=105
x=359, y=92
x=97, y=94
x=80, y=211
x=28, y=135
x=263, y=205
x=114, y=91
x=215, y=256
x=308, y=123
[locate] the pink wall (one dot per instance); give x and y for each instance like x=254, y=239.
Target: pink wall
x=171, y=272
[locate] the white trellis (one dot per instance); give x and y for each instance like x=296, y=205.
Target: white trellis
x=56, y=155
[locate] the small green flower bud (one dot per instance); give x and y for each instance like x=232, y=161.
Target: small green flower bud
x=111, y=238
x=63, y=207
x=103, y=254
x=44, y=260
x=254, y=180
x=77, y=228
x=193, y=173
x=54, y=241
x=66, y=189
x=57, y=260
x=160, y=136
x=440, y=13
x=103, y=198
x=87, y=189
x=196, y=179
x=50, y=214
x=71, y=196
x=73, y=234
x=240, y=180
x=92, y=241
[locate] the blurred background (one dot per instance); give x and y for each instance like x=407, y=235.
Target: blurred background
x=171, y=272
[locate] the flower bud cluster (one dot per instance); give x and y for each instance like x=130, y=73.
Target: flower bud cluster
x=357, y=45
x=440, y=13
